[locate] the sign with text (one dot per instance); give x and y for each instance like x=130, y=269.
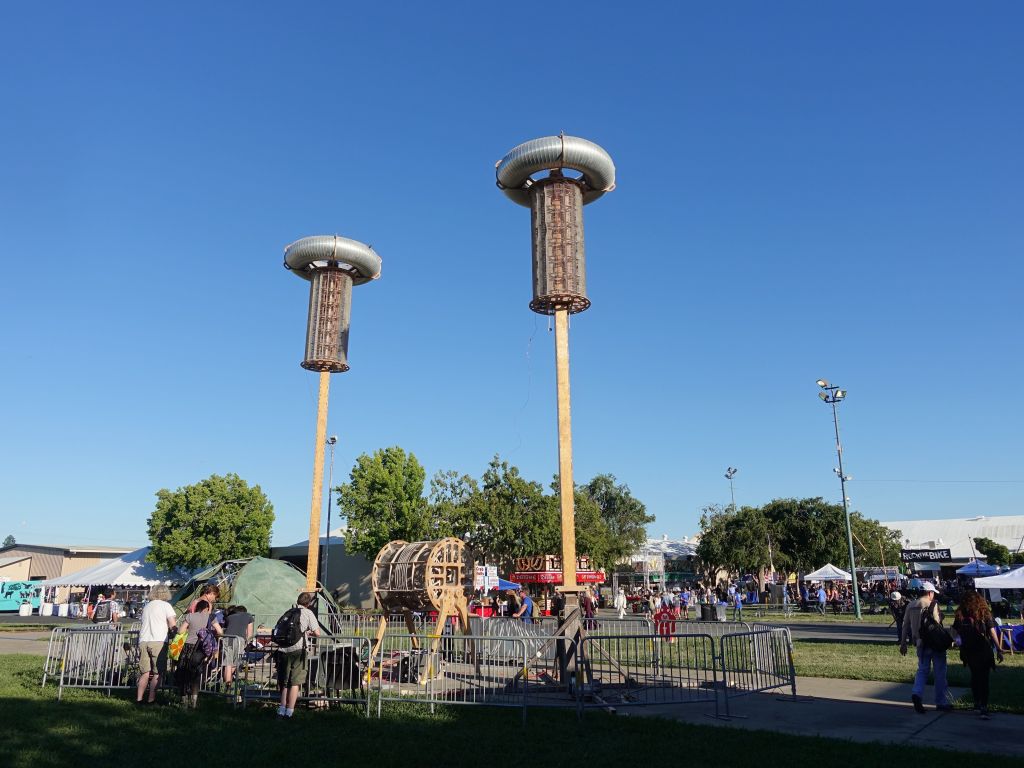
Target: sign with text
x=924, y=555
x=485, y=577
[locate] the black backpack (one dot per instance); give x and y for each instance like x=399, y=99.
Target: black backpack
x=933, y=635
x=288, y=630
x=102, y=611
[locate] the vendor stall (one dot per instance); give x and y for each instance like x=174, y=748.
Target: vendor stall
x=546, y=571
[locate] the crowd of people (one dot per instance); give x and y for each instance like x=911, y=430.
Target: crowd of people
x=211, y=640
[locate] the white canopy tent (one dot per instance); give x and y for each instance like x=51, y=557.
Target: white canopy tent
x=828, y=572
x=1010, y=580
x=127, y=571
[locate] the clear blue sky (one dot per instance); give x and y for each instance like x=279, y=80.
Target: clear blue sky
x=804, y=190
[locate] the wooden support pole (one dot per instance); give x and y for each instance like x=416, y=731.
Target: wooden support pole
x=566, y=486
x=313, y=554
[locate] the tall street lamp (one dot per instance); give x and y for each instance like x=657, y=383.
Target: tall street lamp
x=331, y=442
x=832, y=395
x=730, y=473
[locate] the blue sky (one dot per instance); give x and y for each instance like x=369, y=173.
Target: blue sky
x=804, y=190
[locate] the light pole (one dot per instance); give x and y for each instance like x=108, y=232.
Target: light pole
x=730, y=473
x=832, y=395
x=331, y=441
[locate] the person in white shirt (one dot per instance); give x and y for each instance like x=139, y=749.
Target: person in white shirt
x=620, y=602
x=157, y=621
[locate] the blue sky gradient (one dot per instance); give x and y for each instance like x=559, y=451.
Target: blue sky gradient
x=804, y=190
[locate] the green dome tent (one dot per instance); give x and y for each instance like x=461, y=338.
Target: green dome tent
x=267, y=588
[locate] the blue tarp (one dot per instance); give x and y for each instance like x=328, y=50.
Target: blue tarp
x=503, y=585
x=975, y=568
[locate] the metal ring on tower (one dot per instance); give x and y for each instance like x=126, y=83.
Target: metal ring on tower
x=305, y=256
x=555, y=152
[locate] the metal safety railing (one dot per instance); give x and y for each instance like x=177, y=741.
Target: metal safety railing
x=450, y=669
x=104, y=659
x=756, y=661
x=645, y=670
x=505, y=663
x=335, y=670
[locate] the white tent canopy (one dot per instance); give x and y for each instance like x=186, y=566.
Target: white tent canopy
x=1010, y=580
x=828, y=572
x=130, y=570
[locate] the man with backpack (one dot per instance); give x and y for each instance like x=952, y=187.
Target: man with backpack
x=922, y=625
x=290, y=635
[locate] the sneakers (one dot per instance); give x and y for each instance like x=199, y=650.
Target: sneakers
x=918, y=706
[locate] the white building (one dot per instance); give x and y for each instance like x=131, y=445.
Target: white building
x=957, y=534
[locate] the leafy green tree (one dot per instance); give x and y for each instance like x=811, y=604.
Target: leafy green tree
x=624, y=517
x=9, y=540
x=512, y=516
x=384, y=501
x=796, y=534
x=996, y=553
x=219, y=518
x=874, y=544
x=451, y=504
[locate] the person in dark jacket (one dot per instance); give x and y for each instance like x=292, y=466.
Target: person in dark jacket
x=976, y=630
x=898, y=607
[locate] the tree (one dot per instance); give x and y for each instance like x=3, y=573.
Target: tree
x=511, y=516
x=451, y=507
x=9, y=540
x=624, y=517
x=797, y=534
x=220, y=518
x=383, y=501
x=996, y=553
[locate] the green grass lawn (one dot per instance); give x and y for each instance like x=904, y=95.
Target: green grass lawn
x=882, y=661
x=87, y=728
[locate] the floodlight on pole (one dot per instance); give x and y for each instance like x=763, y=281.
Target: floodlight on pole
x=730, y=473
x=832, y=395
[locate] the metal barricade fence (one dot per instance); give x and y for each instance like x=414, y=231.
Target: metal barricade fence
x=336, y=670
x=643, y=670
x=451, y=669
x=105, y=659
x=57, y=644
x=714, y=628
x=756, y=661
x=630, y=625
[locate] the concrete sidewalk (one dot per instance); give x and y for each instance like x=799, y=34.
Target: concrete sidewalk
x=860, y=711
x=24, y=642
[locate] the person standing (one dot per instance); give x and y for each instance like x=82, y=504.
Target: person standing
x=237, y=632
x=525, y=612
x=787, y=609
x=620, y=602
x=976, y=630
x=898, y=608
x=822, y=599
x=737, y=605
x=684, y=602
x=291, y=660
x=158, y=620
x=918, y=624
x=194, y=656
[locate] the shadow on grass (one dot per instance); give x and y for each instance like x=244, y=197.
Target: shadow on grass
x=88, y=728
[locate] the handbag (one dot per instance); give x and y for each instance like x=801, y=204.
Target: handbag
x=177, y=646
